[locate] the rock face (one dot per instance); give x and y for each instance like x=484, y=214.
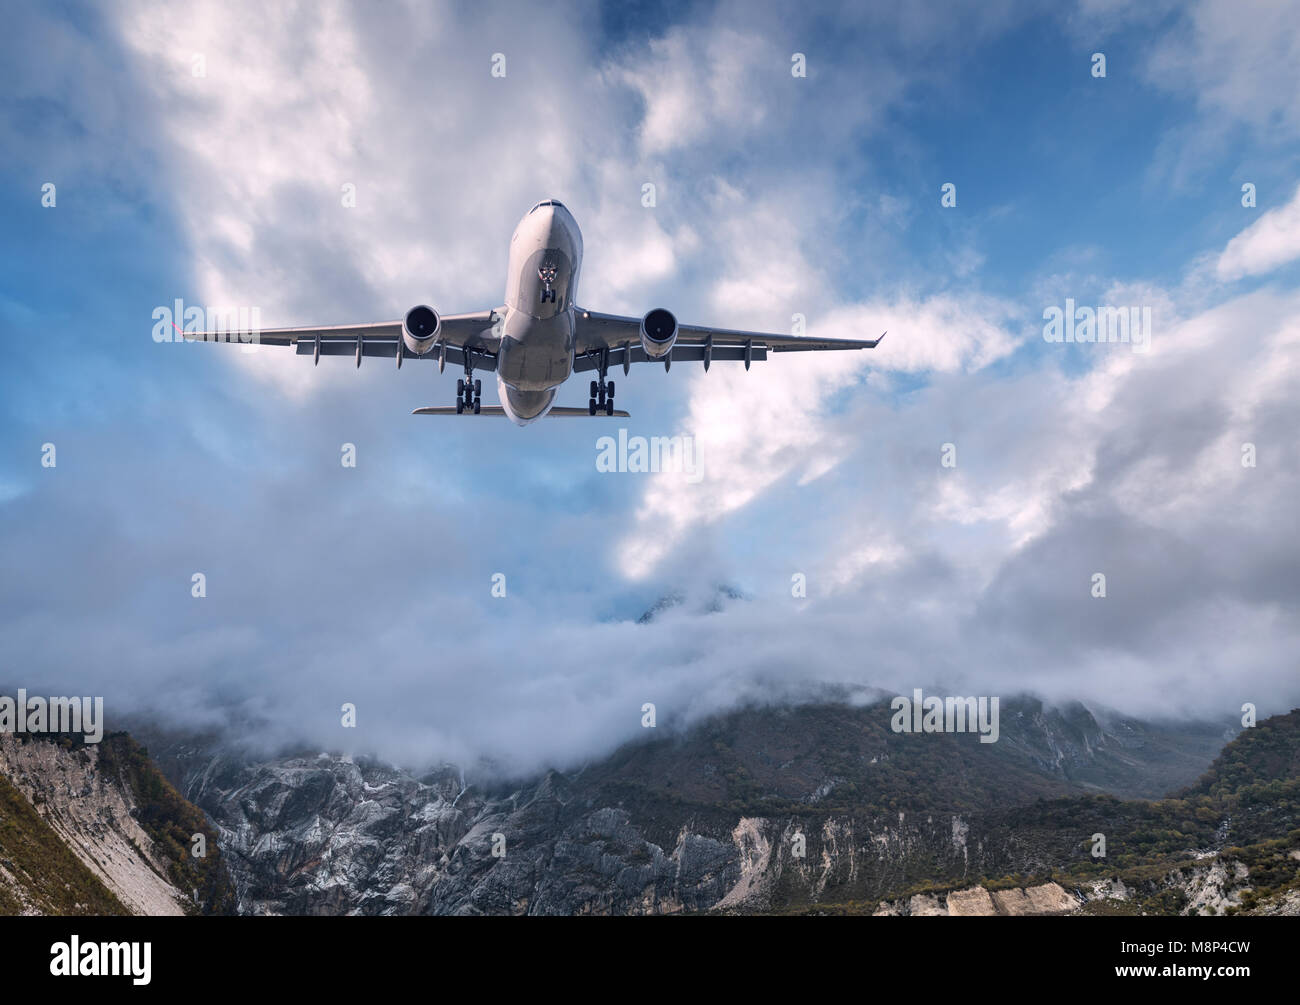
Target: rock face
x=327, y=835
x=973, y=902
x=1047, y=898
x=763, y=810
x=976, y=901
x=92, y=814
x=810, y=809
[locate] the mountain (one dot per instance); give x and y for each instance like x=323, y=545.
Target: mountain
x=96, y=829
x=693, y=822
x=1228, y=844
x=715, y=602
x=817, y=808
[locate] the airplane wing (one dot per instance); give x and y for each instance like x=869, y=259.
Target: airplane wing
x=474, y=334
x=621, y=336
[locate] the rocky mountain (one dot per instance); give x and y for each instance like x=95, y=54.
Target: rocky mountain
x=817, y=808
x=1228, y=844
x=709, y=820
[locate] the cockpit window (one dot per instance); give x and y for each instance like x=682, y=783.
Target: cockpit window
x=547, y=202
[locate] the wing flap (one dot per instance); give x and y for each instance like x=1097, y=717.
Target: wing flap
x=387, y=347
x=680, y=353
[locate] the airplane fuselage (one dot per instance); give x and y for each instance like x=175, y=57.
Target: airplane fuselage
x=537, y=345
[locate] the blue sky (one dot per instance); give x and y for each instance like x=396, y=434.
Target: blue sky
x=776, y=195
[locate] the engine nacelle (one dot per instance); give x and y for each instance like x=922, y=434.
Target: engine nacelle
x=420, y=329
x=658, y=333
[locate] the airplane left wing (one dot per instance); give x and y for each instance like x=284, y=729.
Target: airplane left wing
x=621, y=336
x=472, y=334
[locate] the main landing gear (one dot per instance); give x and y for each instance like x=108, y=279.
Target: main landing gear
x=602, y=397
x=602, y=391
x=468, y=391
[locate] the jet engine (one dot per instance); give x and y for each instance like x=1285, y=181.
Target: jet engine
x=658, y=333
x=420, y=329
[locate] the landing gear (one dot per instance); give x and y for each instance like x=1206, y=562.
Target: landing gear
x=602, y=391
x=468, y=391
x=602, y=398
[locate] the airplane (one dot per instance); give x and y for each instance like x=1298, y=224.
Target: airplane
x=539, y=338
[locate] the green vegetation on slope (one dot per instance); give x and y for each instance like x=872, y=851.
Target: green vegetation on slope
x=171, y=821
x=1250, y=796
x=809, y=762
x=50, y=874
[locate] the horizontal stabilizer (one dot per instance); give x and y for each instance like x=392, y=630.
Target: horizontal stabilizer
x=498, y=410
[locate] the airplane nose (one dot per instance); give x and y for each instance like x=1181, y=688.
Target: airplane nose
x=552, y=225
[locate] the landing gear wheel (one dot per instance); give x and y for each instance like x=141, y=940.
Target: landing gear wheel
x=602, y=392
x=467, y=392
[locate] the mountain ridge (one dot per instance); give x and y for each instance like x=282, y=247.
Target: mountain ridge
x=680, y=822
x=816, y=808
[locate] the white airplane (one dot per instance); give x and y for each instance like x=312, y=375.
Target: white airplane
x=539, y=338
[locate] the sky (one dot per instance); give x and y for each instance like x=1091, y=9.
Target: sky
x=932, y=513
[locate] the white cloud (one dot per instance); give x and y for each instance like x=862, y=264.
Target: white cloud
x=754, y=429
x=1241, y=59
x=262, y=146
x=694, y=84
x=1271, y=241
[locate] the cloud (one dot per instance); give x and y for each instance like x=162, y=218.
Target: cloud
x=694, y=84
x=755, y=429
x=1238, y=58
x=373, y=584
x=1271, y=241
x=261, y=150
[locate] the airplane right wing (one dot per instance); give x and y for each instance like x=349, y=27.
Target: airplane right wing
x=620, y=337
